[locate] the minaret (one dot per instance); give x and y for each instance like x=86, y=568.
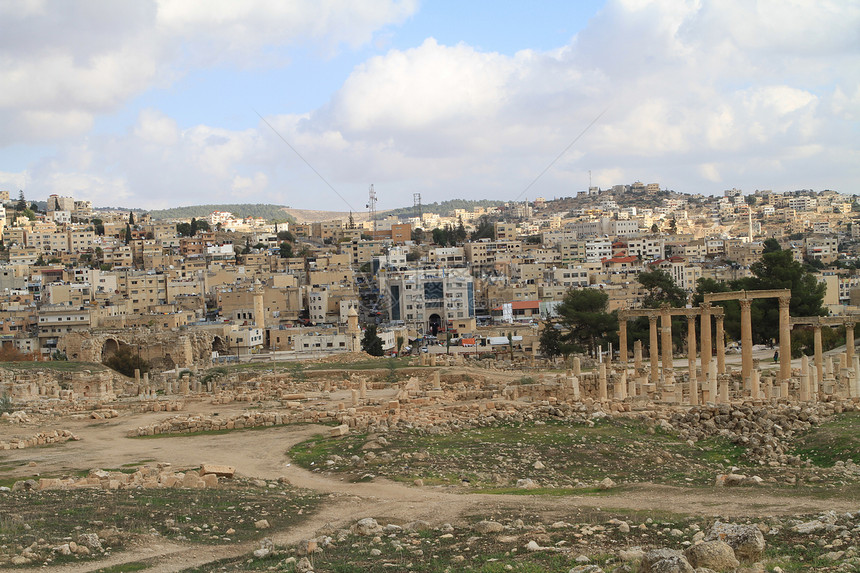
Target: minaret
x=259, y=307
x=352, y=330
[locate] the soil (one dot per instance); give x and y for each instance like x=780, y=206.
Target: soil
x=263, y=454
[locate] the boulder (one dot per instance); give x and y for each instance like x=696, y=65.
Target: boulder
x=717, y=555
x=746, y=540
x=484, y=527
x=665, y=561
x=366, y=527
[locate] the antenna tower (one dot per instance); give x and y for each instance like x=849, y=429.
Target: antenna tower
x=371, y=208
x=416, y=202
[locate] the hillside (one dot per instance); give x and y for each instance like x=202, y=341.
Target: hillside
x=270, y=212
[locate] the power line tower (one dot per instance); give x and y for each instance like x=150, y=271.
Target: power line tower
x=371, y=208
x=416, y=202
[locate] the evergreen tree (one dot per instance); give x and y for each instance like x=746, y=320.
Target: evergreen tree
x=371, y=343
x=584, y=320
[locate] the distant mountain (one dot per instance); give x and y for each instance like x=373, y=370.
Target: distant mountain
x=275, y=213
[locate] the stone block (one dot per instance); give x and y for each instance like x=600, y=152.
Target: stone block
x=337, y=431
x=217, y=470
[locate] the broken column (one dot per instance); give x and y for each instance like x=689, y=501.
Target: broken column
x=652, y=348
x=746, y=342
x=691, y=359
x=720, y=342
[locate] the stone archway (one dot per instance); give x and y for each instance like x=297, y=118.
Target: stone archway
x=219, y=345
x=109, y=348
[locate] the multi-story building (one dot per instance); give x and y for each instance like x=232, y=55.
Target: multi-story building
x=428, y=298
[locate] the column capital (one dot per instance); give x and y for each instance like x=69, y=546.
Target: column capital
x=745, y=303
x=652, y=318
x=784, y=302
x=706, y=306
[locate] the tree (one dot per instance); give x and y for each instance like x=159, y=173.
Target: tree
x=770, y=246
x=417, y=235
x=29, y=214
x=286, y=236
x=460, y=231
x=661, y=289
x=371, y=343
x=127, y=233
x=551, y=343
x=399, y=344
x=583, y=319
x=125, y=361
x=183, y=229
x=98, y=226
x=484, y=230
x=286, y=250
x=775, y=270
x=131, y=217
x=22, y=202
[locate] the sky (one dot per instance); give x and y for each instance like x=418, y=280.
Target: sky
x=159, y=103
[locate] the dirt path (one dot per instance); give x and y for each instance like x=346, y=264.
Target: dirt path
x=262, y=454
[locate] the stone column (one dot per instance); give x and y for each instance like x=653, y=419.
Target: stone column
x=855, y=384
x=746, y=342
x=784, y=339
x=622, y=340
x=819, y=354
x=721, y=346
x=691, y=359
x=637, y=356
x=804, y=379
x=756, y=385
x=849, y=342
x=712, y=382
x=652, y=347
x=705, y=326
x=602, y=382
x=666, y=331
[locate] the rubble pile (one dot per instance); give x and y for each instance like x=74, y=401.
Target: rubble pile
x=764, y=431
x=146, y=477
x=40, y=439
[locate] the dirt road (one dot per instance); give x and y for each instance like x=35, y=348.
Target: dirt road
x=262, y=454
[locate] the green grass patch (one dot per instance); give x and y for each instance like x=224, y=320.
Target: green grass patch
x=60, y=365
x=201, y=516
x=124, y=567
x=837, y=439
x=574, y=456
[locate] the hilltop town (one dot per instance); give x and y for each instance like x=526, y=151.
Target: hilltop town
x=260, y=287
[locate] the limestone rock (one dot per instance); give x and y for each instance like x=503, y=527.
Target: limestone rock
x=665, y=561
x=262, y=524
x=484, y=527
x=220, y=471
x=746, y=540
x=366, y=527
x=606, y=483
x=716, y=555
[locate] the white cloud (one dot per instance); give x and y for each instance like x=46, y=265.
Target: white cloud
x=700, y=95
x=63, y=63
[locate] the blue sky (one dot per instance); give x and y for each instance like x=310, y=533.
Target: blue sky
x=154, y=103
